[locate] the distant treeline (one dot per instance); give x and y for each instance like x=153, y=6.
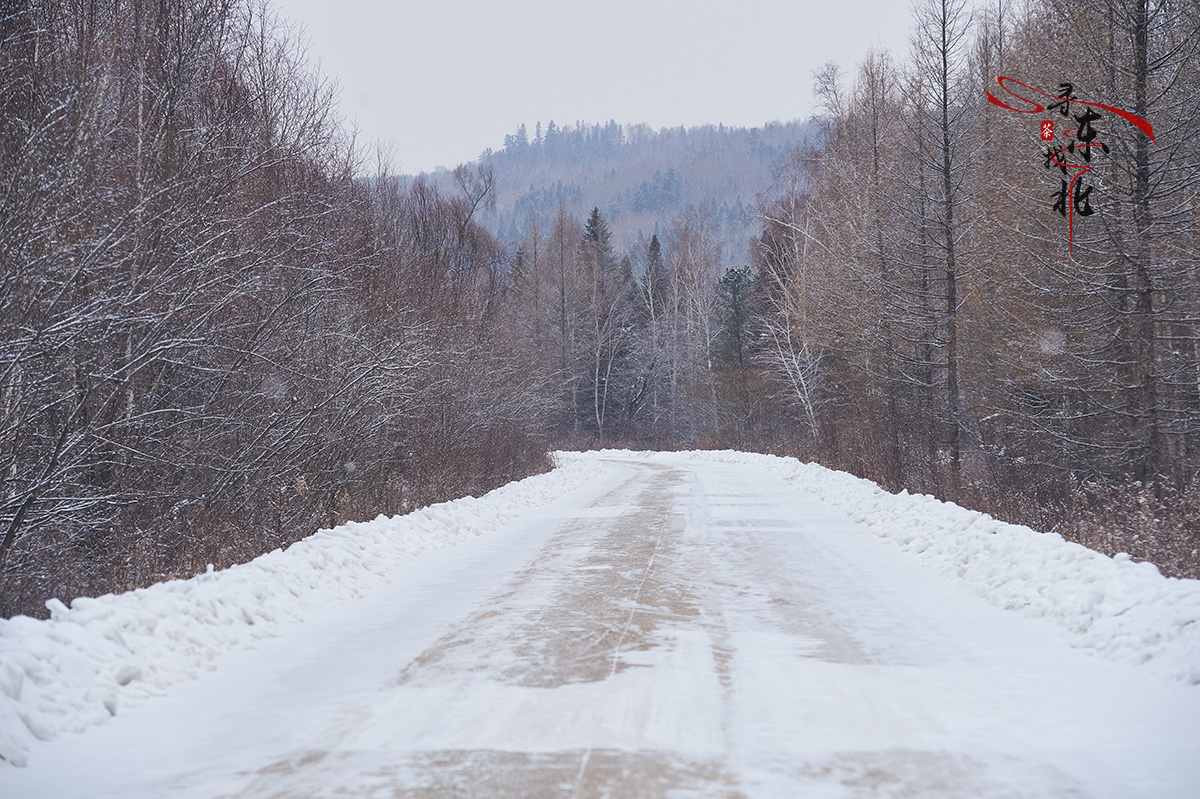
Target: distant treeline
x=641, y=178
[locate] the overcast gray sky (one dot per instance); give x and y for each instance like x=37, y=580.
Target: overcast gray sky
x=441, y=81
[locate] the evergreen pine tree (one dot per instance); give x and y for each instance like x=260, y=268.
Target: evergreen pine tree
x=654, y=282
x=734, y=291
x=596, y=231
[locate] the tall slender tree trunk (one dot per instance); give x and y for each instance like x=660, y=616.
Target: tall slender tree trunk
x=952, y=398
x=929, y=322
x=563, y=331
x=1146, y=387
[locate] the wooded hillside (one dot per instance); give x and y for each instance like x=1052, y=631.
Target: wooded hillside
x=641, y=178
x=214, y=339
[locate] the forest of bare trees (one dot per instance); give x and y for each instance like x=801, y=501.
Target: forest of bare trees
x=218, y=336
x=215, y=339
x=921, y=308
x=963, y=340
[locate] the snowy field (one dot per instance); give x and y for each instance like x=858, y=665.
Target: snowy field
x=631, y=624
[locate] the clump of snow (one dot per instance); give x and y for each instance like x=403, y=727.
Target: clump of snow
x=72, y=671
x=1114, y=607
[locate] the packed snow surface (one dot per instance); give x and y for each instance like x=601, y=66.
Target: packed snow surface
x=635, y=624
x=1113, y=606
x=74, y=670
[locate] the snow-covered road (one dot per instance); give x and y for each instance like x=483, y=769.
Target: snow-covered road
x=673, y=627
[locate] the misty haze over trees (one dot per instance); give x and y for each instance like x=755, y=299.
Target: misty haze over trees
x=217, y=339
x=642, y=179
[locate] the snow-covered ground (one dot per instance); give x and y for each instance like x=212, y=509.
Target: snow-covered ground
x=75, y=670
x=1113, y=606
x=632, y=624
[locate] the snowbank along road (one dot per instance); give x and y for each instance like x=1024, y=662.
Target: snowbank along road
x=657, y=625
